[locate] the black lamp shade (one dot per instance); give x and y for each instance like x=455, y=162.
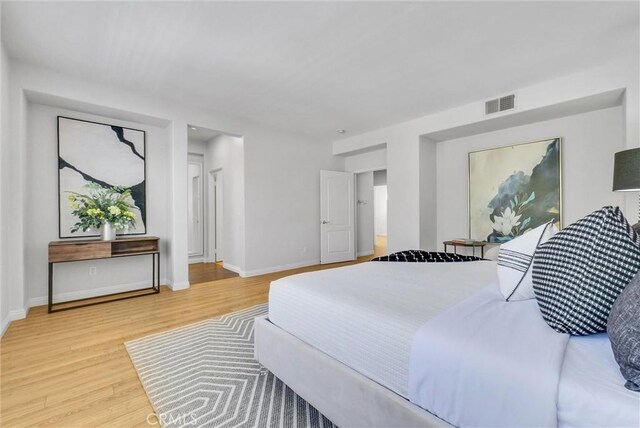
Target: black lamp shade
x=626, y=170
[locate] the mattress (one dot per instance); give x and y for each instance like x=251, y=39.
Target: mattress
x=366, y=315
x=591, y=391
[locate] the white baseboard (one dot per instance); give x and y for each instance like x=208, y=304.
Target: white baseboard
x=94, y=292
x=263, y=271
x=365, y=253
x=5, y=324
x=178, y=285
x=18, y=314
x=14, y=315
x=233, y=268
x=196, y=260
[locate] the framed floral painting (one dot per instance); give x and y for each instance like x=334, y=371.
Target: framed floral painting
x=108, y=155
x=514, y=189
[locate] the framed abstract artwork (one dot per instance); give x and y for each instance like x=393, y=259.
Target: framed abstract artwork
x=105, y=154
x=514, y=189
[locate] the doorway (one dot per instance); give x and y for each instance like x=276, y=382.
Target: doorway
x=195, y=209
x=371, y=214
x=205, y=187
x=380, y=212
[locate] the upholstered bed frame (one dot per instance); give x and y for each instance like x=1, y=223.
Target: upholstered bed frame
x=343, y=395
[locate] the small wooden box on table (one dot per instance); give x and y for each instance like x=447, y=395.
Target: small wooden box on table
x=73, y=251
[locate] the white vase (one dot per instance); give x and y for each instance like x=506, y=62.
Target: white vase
x=107, y=232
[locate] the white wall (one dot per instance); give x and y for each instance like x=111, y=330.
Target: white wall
x=272, y=187
x=380, y=177
x=589, y=141
x=12, y=196
x=429, y=188
x=227, y=153
x=72, y=280
x=412, y=219
x=197, y=147
x=281, y=189
x=4, y=185
x=364, y=213
x=368, y=161
x=282, y=201
x=380, y=210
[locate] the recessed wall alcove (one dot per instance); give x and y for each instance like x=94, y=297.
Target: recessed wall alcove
x=592, y=129
x=76, y=280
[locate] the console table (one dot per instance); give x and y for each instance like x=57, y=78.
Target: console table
x=77, y=250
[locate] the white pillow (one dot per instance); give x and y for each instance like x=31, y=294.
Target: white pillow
x=492, y=253
x=516, y=259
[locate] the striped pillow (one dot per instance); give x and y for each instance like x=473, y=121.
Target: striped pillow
x=515, y=260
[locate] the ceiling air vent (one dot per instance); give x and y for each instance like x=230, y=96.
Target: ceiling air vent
x=500, y=104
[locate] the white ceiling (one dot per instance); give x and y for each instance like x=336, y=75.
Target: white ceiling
x=315, y=67
x=197, y=133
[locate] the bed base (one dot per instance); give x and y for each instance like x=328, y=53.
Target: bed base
x=343, y=395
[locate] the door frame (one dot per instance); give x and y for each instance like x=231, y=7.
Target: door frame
x=215, y=180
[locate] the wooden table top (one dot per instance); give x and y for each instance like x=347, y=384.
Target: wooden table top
x=464, y=244
x=97, y=241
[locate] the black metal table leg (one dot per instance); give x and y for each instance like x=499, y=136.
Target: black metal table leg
x=155, y=286
x=153, y=271
x=50, y=287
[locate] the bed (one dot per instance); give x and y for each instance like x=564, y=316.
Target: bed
x=345, y=340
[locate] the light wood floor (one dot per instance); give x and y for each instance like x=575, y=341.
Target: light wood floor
x=206, y=272
x=71, y=368
x=380, y=246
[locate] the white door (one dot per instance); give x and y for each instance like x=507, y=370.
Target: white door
x=337, y=218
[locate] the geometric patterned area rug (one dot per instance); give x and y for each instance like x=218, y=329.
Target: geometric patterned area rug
x=204, y=375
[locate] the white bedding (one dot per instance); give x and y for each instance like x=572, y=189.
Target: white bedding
x=488, y=363
x=366, y=315
x=591, y=391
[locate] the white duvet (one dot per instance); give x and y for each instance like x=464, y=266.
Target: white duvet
x=591, y=391
x=488, y=363
x=367, y=316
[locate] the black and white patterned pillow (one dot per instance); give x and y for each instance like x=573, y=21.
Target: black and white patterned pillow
x=421, y=256
x=579, y=272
